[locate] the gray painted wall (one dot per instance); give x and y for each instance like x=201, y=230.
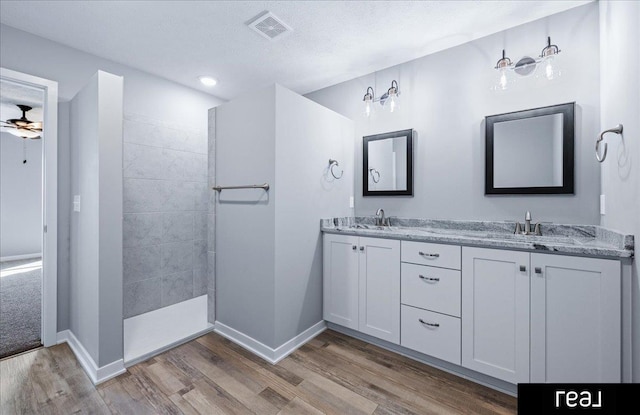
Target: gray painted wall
x=620, y=86
x=145, y=95
x=268, y=245
x=85, y=224
x=165, y=221
x=64, y=214
x=445, y=97
x=307, y=136
x=96, y=243
x=245, y=139
x=20, y=196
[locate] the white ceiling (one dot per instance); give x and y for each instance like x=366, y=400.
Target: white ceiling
x=12, y=94
x=332, y=41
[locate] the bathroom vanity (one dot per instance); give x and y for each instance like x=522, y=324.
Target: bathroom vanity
x=519, y=308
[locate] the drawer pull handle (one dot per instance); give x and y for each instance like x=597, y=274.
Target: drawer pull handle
x=428, y=324
x=434, y=279
x=354, y=247
x=428, y=255
x=538, y=270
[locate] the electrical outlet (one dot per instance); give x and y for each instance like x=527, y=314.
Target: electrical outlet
x=76, y=203
x=602, y=205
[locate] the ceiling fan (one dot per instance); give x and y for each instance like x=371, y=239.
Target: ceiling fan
x=23, y=127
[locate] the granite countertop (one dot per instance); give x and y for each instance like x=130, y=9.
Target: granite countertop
x=584, y=240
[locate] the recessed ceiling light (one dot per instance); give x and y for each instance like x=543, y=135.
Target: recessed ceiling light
x=207, y=81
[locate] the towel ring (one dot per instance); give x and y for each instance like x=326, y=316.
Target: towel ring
x=617, y=130
x=332, y=164
x=373, y=172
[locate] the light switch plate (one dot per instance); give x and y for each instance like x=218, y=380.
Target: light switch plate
x=351, y=204
x=76, y=203
x=602, y=205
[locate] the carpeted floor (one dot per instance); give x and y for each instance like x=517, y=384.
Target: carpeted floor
x=20, y=307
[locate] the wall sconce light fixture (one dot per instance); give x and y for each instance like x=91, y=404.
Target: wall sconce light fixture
x=527, y=66
x=388, y=100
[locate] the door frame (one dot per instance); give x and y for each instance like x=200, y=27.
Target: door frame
x=49, y=200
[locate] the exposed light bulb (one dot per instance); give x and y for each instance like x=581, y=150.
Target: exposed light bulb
x=503, y=79
x=367, y=108
x=393, y=104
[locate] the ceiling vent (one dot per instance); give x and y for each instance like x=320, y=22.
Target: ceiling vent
x=269, y=26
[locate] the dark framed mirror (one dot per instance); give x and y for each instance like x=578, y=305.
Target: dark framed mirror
x=530, y=151
x=387, y=164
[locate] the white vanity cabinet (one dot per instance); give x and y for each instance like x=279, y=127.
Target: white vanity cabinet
x=575, y=319
x=518, y=316
x=541, y=318
x=362, y=284
x=495, y=313
x=340, y=271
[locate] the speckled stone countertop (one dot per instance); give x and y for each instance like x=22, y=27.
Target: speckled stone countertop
x=583, y=240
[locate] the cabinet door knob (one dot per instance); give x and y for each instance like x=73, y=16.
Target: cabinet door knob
x=523, y=268
x=426, y=323
x=362, y=248
x=538, y=270
x=428, y=255
x=354, y=247
x=434, y=279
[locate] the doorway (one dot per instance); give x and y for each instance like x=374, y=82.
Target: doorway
x=28, y=210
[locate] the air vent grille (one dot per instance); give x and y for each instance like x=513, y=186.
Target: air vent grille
x=269, y=26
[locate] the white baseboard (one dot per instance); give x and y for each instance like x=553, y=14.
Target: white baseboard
x=96, y=374
x=149, y=334
x=19, y=257
x=269, y=354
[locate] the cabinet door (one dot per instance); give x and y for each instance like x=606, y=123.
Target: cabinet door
x=575, y=319
x=340, y=270
x=495, y=313
x=380, y=288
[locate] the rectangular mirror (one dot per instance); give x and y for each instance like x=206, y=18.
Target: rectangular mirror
x=531, y=151
x=388, y=164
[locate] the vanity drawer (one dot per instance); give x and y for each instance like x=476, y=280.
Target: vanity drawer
x=431, y=288
x=437, y=255
x=431, y=333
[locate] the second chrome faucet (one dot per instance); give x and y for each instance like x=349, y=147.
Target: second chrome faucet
x=527, y=227
x=380, y=219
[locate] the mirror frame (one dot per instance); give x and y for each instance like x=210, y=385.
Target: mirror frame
x=365, y=163
x=568, y=129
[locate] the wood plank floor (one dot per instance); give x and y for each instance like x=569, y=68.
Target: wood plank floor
x=332, y=374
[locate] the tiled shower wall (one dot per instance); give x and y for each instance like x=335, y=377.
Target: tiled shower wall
x=166, y=201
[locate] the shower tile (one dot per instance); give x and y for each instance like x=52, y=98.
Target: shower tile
x=200, y=254
x=141, y=297
x=177, y=257
x=177, y=196
x=142, y=162
x=211, y=306
x=211, y=270
x=142, y=229
x=142, y=195
x=138, y=132
x=201, y=196
x=141, y=263
x=200, y=225
x=199, y=282
x=177, y=226
x=179, y=165
x=177, y=287
x=211, y=231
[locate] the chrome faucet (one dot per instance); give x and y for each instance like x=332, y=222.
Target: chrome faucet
x=380, y=219
x=527, y=226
